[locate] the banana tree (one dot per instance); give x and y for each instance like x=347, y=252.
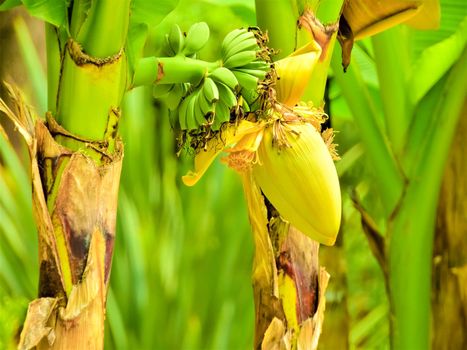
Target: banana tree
x=93, y=58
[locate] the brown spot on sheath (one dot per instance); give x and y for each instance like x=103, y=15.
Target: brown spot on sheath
x=160, y=71
x=81, y=58
x=86, y=204
x=302, y=267
x=109, y=247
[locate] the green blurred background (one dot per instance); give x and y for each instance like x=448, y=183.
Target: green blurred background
x=183, y=256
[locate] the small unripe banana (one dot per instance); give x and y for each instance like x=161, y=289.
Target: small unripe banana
x=191, y=122
x=229, y=37
x=210, y=90
x=240, y=59
x=224, y=76
x=260, y=74
x=226, y=95
x=176, y=39
x=247, y=81
x=245, y=45
x=182, y=112
x=196, y=38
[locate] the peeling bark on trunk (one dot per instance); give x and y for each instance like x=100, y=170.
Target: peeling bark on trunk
x=449, y=290
x=336, y=329
x=288, y=284
x=74, y=203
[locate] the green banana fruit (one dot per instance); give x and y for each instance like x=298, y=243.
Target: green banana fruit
x=167, y=48
x=173, y=98
x=176, y=39
x=247, y=81
x=260, y=65
x=191, y=122
x=182, y=112
x=238, y=41
x=222, y=115
x=245, y=45
x=229, y=37
x=210, y=90
x=246, y=106
x=206, y=106
x=240, y=59
x=202, y=109
x=226, y=95
x=260, y=74
x=224, y=76
x=196, y=38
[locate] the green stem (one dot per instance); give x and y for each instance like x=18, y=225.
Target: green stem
x=53, y=66
x=413, y=228
x=392, y=66
x=103, y=29
x=279, y=19
x=94, y=69
x=328, y=12
x=376, y=144
x=171, y=70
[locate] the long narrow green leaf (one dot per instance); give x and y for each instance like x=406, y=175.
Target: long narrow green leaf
x=376, y=144
x=51, y=11
x=435, y=61
x=413, y=228
x=392, y=63
x=35, y=71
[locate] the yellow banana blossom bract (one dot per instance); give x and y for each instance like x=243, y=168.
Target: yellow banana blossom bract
x=294, y=73
x=300, y=179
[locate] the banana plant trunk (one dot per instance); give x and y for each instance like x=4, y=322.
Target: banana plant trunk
x=76, y=160
x=288, y=284
x=449, y=284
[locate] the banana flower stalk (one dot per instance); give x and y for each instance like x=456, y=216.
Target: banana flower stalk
x=293, y=197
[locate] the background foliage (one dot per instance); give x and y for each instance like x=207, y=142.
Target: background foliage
x=182, y=262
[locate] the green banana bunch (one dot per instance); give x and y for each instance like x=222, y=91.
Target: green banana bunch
x=239, y=48
x=210, y=104
x=225, y=92
x=198, y=108
x=240, y=54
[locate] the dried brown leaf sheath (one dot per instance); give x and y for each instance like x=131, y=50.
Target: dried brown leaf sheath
x=74, y=203
x=281, y=250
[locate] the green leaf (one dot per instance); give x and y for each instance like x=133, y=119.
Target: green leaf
x=246, y=3
x=51, y=11
x=453, y=12
x=151, y=12
x=245, y=13
x=8, y=4
x=435, y=61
